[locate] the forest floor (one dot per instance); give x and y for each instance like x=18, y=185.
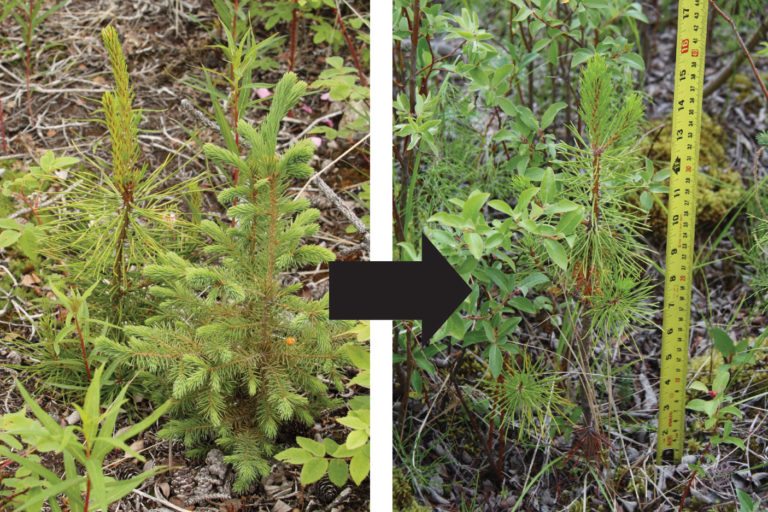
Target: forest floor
x=165, y=43
x=450, y=469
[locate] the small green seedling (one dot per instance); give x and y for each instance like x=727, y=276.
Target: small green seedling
x=27, y=188
x=83, y=449
x=717, y=407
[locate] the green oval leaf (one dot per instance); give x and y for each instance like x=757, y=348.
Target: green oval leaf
x=311, y=446
x=556, y=252
x=8, y=238
x=338, y=471
x=475, y=243
x=313, y=470
x=294, y=456
x=359, y=467
x=356, y=439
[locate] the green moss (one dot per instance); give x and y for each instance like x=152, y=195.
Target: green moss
x=402, y=494
x=747, y=93
x=718, y=186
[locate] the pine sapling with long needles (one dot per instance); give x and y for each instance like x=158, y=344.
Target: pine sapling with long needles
x=606, y=265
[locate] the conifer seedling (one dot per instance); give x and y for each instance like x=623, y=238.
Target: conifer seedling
x=238, y=351
x=113, y=220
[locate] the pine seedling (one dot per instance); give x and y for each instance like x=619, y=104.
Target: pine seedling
x=112, y=222
x=608, y=258
x=606, y=265
x=238, y=351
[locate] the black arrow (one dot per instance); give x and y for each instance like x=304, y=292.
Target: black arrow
x=429, y=290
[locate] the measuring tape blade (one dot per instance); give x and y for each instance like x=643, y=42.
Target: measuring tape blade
x=686, y=130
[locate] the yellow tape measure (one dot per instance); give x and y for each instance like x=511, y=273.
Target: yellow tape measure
x=686, y=129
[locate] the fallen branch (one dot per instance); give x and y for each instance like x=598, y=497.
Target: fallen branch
x=721, y=77
x=333, y=197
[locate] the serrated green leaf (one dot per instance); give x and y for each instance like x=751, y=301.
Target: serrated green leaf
x=523, y=304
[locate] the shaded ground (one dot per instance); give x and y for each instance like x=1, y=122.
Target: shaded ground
x=164, y=47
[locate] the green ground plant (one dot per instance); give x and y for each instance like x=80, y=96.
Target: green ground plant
x=83, y=449
x=511, y=113
x=28, y=188
x=333, y=30
x=570, y=246
x=247, y=358
x=351, y=458
x=717, y=406
x=30, y=16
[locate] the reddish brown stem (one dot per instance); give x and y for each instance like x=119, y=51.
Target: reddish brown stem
x=29, y=50
x=2, y=127
x=32, y=207
x=236, y=95
x=10, y=498
x=85, y=361
x=352, y=50
x=693, y=474
x=743, y=47
x=87, y=495
x=292, y=51
x=502, y=445
x=491, y=426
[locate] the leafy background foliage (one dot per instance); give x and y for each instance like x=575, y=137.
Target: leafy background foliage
x=530, y=146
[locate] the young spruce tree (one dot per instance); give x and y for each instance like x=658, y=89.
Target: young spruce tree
x=239, y=352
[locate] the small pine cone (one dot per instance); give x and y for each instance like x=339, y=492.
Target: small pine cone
x=126, y=471
x=325, y=490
